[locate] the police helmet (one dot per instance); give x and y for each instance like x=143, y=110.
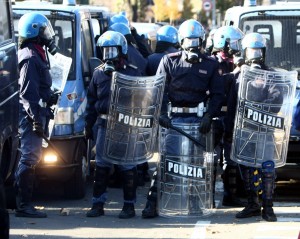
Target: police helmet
x=191, y=34
x=112, y=44
x=254, y=47
x=167, y=34
x=120, y=27
x=118, y=18
x=210, y=41
x=228, y=39
x=35, y=24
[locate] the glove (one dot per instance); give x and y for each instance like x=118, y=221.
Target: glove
x=88, y=133
x=53, y=98
x=205, y=124
x=38, y=128
x=165, y=121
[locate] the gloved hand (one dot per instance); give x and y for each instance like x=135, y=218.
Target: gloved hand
x=205, y=124
x=53, y=98
x=38, y=128
x=88, y=132
x=165, y=121
x=273, y=95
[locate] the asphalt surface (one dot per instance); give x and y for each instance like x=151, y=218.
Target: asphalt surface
x=66, y=218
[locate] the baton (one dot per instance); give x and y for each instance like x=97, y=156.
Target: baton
x=196, y=141
x=49, y=142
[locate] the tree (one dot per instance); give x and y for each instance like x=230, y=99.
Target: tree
x=187, y=10
x=160, y=10
x=173, y=11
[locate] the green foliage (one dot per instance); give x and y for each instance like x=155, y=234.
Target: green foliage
x=187, y=11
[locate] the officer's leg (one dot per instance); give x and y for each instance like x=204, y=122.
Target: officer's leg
x=268, y=185
x=129, y=179
x=253, y=207
x=4, y=216
x=101, y=178
x=150, y=210
x=31, y=147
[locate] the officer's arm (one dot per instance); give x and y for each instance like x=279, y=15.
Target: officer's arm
x=91, y=114
x=163, y=70
x=216, y=89
x=29, y=83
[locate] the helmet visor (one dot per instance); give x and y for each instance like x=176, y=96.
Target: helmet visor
x=235, y=45
x=253, y=53
x=46, y=31
x=110, y=53
x=190, y=43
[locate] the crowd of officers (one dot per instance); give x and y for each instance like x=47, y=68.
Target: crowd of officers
x=194, y=73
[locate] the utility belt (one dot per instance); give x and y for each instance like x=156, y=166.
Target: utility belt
x=199, y=110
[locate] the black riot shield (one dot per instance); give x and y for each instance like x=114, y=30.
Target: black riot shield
x=132, y=123
x=263, y=116
x=185, y=172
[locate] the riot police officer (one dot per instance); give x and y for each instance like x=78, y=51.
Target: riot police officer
x=167, y=42
x=227, y=47
x=140, y=41
x=192, y=80
x=35, y=32
x=254, y=50
x=134, y=57
x=114, y=50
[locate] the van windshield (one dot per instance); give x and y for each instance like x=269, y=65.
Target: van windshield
x=63, y=26
x=282, y=34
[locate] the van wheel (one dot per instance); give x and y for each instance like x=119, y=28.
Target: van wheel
x=75, y=188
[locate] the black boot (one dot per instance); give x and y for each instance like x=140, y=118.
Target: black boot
x=230, y=188
x=25, y=188
x=129, y=178
x=268, y=212
x=96, y=210
x=268, y=186
x=252, y=209
x=150, y=210
x=99, y=188
x=127, y=211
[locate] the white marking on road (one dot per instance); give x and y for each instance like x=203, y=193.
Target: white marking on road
x=272, y=237
x=200, y=230
x=275, y=228
x=286, y=204
x=288, y=219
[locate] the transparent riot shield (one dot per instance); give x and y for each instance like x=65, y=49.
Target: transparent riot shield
x=132, y=123
x=185, y=173
x=263, y=116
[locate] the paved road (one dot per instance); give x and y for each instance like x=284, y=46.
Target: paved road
x=221, y=224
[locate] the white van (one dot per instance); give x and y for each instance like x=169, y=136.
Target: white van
x=279, y=23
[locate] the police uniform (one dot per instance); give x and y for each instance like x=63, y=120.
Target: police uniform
x=187, y=84
x=154, y=60
x=97, y=110
x=34, y=84
x=252, y=175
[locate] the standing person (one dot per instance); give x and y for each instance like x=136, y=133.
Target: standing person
x=254, y=50
x=167, y=42
x=114, y=50
x=35, y=32
x=136, y=58
x=227, y=44
x=4, y=216
x=192, y=80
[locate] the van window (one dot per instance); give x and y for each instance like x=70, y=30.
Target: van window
x=282, y=34
x=87, y=42
x=5, y=29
